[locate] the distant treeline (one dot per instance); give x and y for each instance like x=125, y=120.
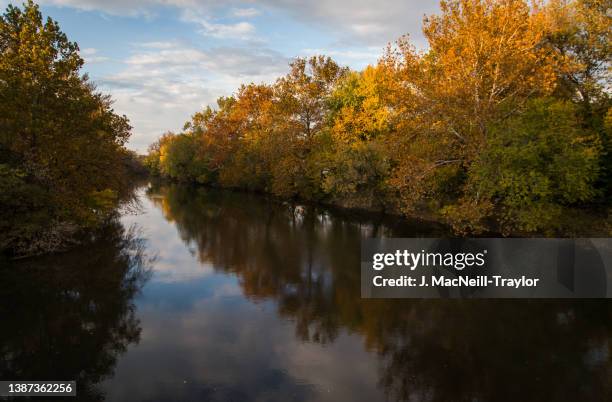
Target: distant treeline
x=62, y=161
x=503, y=123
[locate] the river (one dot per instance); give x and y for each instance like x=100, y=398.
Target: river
x=196, y=294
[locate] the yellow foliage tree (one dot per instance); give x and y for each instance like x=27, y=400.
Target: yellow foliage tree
x=486, y=58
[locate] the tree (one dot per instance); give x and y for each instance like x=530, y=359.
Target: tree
x=501, y=124
x=360, y=106
x=582, y=33
x=57, y=134
x=301, y=116
x=249, y=165
x=153, y=158
x=182, y=159
x=486, y=59
x=582, y=36
x=535, y=165
x=356, y=162
x=303, y=93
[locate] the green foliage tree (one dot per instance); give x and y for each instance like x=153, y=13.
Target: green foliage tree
x=61, y=144
x=582, y=35
x=534, y=167
x=183, y=160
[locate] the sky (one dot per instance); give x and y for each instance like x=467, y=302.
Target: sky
x=163, y=60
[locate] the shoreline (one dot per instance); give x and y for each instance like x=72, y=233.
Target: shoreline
x=571, y=231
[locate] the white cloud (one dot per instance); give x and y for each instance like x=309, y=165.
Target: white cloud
x=239, y=62
x=240, y=30
x=356, y=21
x=88, y=51
x=158, y=45
x=245, y=12
x=115, y=7
x=356, y=58
x=163, y=83
x=362, y=21
x=130, y=7
x=91, y=56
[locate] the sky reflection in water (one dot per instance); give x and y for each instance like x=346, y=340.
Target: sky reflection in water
x=256, y=301
x=251, y=300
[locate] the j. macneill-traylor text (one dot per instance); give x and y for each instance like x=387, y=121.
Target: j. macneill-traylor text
x=478, y=281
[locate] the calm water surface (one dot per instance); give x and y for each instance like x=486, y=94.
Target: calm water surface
x=205, y=295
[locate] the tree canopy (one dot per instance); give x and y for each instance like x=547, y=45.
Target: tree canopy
x=61, y=143
x=502, y=123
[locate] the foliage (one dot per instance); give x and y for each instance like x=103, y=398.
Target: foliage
x=534, y=166
x=61, y=144
x=359, y=106
x=501, y=123
x=356, y=175
x=583, y=35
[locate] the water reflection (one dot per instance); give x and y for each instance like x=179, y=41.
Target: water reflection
x=71, y=316
x=252, y=300
x=304, y=263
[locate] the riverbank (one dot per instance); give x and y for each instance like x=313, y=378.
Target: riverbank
x=596, y=222
x=55, y=233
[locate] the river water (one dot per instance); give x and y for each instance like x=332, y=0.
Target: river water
x=206, y=295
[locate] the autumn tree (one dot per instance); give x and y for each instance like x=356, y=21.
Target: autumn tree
x=356, y=161
x=582, y=34
x=154, y=152
x=251, y=163
x=61, y=144
x=303, y=93
x=502, y=123
x=486, y=60
x=302, y=103
x=582, y=37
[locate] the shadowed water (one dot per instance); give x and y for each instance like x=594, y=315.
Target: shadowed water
x=225, y=296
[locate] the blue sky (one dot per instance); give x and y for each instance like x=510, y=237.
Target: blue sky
x=163, y=60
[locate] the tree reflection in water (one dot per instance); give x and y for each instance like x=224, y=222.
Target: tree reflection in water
x=307, y=261
x=70, y=316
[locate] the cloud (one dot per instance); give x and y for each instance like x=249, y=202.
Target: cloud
x=131, y=7
x=163, y=83
x=238, y=62
x=240, y=30
x=115, y=7
x=362, y=21
x=356, y=58
x=90, y=55
x=194, y=11
x=356, y=21
x=245, y=12
x=158, y=45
